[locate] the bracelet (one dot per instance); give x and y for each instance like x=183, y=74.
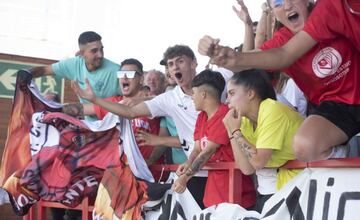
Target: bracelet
x=239, y=135
x=232, y=133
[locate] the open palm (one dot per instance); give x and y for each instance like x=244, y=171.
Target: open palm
x=243, y=13
x=86, y=93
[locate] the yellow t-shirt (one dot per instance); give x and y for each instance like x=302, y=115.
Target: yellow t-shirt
x=276, y=127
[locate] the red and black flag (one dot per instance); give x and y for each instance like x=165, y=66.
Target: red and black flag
x=54, y=157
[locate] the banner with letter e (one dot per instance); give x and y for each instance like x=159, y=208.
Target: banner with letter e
x=316, y=193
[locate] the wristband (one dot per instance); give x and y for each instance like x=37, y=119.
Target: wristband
x=238, y=135
x=232, y=133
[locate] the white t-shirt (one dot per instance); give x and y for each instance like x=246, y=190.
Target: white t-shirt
x=295, y=96
x=227, y=74
x=181, y=108
x=283, y=100
x=266, y=179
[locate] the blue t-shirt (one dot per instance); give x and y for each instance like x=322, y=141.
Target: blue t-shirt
x=178, y=154
x=103, y=81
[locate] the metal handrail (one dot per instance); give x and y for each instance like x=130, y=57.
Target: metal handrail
x=331, y=163
x=233, y=171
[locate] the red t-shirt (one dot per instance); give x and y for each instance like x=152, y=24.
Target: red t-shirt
x=329, y=71
x=217, y=185
x=331, y=18
x=141, y=123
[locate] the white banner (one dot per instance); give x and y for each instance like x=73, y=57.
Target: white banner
x=175, y=206
x=316, y=193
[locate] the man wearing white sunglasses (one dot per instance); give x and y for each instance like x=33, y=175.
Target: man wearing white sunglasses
x=130, y=80
x=176, y=103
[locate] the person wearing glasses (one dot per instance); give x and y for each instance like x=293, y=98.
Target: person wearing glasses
x=88, y=64
x=327, y=73
x=176, y=103
x=131, y=79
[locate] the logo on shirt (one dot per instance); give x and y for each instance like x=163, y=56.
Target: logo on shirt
x=326, y=62
x=185, y=146
x=182, y=106
x=203, y=143
x=140, y=123
x=99, y=85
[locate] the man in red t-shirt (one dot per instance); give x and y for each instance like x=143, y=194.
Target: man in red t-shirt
x=130, y=80
x=212, y=143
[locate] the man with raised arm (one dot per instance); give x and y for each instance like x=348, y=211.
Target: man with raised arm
x=176, y=103
x=90, y=64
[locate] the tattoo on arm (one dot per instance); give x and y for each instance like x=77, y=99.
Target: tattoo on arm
x=75, y=109
x=247, y=150
x=196, y=165
x=245, y=147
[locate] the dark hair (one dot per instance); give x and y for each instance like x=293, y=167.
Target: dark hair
x=178, y=50
x=257, y=80
x=133, y=61
x=210, y=78
x=162, y=62
x=88, y=37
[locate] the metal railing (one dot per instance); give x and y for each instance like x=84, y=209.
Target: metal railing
x=235, y=190
x=235, y=183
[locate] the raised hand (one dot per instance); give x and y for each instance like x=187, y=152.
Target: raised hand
x=265, y=7
x=219, y=55
x=207, y=45
x=225, y=57
x=232, y=121
x=243, y=13
x=86, y=93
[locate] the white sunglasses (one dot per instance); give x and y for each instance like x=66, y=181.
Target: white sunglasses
x=128, y=73
x=279, y=3
x=276, y=3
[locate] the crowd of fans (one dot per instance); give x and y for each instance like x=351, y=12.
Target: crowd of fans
x=281, y=111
